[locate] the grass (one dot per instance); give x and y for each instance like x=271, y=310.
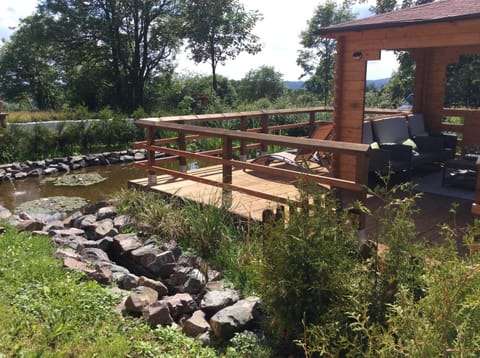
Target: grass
x=48, y=311
x=37, y=116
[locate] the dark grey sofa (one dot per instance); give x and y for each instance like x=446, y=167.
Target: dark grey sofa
x=394, y=130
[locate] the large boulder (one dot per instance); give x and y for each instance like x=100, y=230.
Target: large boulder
x=236, y=318
x=140, y=298
x=196, y=325
x=156, y=285
x=181, y=303
x=215, y=300
x=157, y=313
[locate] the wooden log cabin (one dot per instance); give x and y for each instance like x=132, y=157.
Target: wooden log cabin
x=436, y=34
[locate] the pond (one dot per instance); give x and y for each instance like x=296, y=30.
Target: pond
x=117, y=176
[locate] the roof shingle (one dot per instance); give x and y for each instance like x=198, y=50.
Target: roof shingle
x=439, y=11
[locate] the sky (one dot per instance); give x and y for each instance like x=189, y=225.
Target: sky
x=279, y=33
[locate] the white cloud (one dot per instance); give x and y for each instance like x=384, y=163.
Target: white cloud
x=10, y=13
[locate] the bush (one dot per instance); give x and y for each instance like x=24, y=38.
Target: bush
x=308, y=269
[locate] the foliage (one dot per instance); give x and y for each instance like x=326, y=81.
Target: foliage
x=263, y=82
x=69, y=138
x=317, y=57
x=152, y=213
x=219, y=30
x=47, y=311
x=463, y=84
x=308, y=268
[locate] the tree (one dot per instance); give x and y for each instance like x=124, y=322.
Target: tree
x=27, y=72
x=219, y=30
x=133, y=40
x=263, y=82
x=317, y=58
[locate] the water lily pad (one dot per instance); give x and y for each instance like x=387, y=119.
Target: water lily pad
x=84, y=179
x=52, y=206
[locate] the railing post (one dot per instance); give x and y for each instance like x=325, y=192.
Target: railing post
x=361, y=177
x=182, y=145
x=152, y=177
x=311, y=123
x=264, y=130
x=227, y=171
x=243, y=144
x=476, y=204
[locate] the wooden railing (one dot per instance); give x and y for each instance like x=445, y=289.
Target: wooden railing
x=239, y=142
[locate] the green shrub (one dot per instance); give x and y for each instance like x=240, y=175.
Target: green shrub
x=308, y=269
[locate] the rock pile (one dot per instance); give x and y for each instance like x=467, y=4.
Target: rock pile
x=37, y=168
x=157, y=282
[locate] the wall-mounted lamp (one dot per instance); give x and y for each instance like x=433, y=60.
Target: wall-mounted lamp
x=357, y=55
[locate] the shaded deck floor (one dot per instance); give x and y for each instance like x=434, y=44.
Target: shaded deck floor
x=433, y=210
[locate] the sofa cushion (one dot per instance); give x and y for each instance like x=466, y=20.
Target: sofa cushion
x=391, y=129
x=416, y=125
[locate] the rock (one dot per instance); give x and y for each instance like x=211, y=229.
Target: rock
x=20, y=175
x=128, y=281
x=205, y=338
x=226, y=322
x=123, y=221
x=67, y=252
x=214, y=301
x=73, y=241
x=196, y=281
x=63, y=167
x=50, y=171
x=35, y=173
x=156, y=285
x=196, y=325
x=94, y=255
x=4, y=213
x=172, y=246
x=102, y=275
x=181, y=303
x=126, y=158
x=139, y=156
x=86, y=222
x=103, y=244
x=105, y=228
x=76, y=265
x=146, y=254
x=108, y=212
x=126, y=242
x=54, y=225
x=142, y=296
x=94, y=208
x=214, y=285
x=67, y=232
x=30, y=225
x=163, y=264
x=157, y=313
x=72, y=219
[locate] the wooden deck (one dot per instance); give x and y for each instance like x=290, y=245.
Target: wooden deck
x=244, y=205
x=434, y=210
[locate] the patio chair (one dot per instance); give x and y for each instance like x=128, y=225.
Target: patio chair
x=385, y=159
x=298, y=158
x=416, y=128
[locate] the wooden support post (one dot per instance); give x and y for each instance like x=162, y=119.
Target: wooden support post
x=152, y=176
x=476, y=204
x=182, y=145
x=362, y=178
x=243, y=144
x=227, y=196
x=311, y=125
x=264, y=130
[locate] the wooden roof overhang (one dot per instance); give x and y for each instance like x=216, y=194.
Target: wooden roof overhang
x=436, y=34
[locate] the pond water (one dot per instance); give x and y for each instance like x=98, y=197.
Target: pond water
x=17, y=192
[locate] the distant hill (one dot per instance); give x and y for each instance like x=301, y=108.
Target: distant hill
x=294, y=85
x=378, y=84
x=298, y=85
